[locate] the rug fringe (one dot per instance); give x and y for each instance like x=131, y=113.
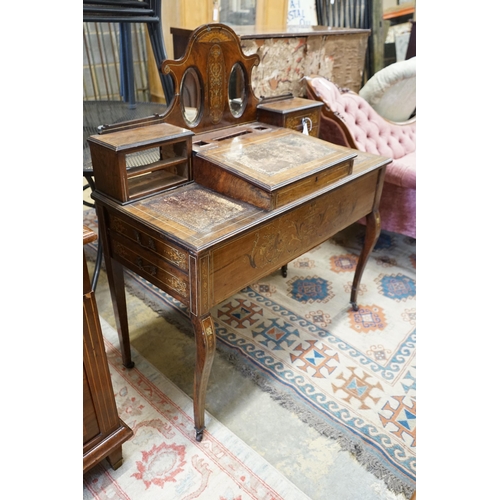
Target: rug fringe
x=367, y=460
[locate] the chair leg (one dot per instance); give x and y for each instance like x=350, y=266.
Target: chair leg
x=90, y=185
x=98, y=264
x=127, y=65
x=160, y=54
x=85, y=202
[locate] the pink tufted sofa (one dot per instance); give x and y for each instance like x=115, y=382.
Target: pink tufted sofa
x=348, y=120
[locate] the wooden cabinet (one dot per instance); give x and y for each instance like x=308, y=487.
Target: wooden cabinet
x=103, y=431
x=148, y=159
x=291, y=113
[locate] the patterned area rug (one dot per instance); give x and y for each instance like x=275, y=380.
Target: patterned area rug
x=162, y=459
x=351, y=375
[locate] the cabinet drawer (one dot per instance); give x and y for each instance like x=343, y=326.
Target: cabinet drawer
x=312, y=183
x=294, y=121
x=151, y=267
x=313, y=132
x=172, y=254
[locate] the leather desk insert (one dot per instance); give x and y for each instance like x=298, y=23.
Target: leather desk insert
x=247, y=196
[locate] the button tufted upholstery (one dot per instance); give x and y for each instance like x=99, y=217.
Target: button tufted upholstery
x=348, y=120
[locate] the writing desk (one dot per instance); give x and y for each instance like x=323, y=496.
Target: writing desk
x=222, y=208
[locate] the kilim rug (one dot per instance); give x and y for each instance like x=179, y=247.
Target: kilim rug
x=163, y=459
x=351, y=375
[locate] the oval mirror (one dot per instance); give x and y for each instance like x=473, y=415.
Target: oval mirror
x=237, y=91
x=191, y=96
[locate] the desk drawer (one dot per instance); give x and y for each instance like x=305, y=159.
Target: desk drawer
x=151, y=267
x=294, y=121
x=172, y=254
x=312, y=184
x=289, y=113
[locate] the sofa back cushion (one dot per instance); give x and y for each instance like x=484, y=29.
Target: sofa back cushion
x=392, y=91
x=371, y=132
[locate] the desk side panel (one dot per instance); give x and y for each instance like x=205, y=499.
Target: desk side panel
x=265, y=249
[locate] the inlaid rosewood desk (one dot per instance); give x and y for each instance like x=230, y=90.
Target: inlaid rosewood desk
x=232, y=197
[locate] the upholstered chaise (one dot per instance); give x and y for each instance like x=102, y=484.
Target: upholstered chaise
x=348, y=120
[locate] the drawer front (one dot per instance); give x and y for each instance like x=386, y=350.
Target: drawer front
x=313, y=183
x=294, y=121
x=172, y=254
x=151, y=267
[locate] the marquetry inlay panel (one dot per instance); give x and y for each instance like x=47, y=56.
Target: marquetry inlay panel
x=216, y=79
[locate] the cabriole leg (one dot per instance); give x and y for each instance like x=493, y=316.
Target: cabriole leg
x=371, y=237
x=205, y=350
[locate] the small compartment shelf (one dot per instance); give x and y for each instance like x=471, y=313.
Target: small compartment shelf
x=152, y=182
x=146, y=159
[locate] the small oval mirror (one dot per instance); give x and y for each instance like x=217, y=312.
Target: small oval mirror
x=237, y=91
x=191, y=96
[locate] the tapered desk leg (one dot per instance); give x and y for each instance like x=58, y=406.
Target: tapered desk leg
x=371, y=237
x=117, y=289
x=204, y=332
x=114, y=271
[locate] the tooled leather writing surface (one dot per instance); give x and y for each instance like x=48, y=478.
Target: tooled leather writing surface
x=207, y=210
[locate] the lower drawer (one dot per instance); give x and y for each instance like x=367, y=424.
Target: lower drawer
x=172, y=254
x=150, y=267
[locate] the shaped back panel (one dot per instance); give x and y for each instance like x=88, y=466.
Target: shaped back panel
x=202, y=81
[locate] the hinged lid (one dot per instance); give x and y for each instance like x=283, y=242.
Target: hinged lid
x=271, y=168
x=125, y=140
x=289, y=105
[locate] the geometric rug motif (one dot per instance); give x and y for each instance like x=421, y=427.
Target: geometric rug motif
x=162, y=459
x=397, y=287
x=349, y=374
x=355, y=373
x=367, y=319
x=309, y=289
